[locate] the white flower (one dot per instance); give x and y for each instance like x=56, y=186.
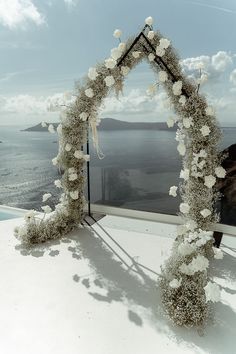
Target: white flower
x=125, y=70
x=73, y=176
x=117, y=33
x=136, y=54
x=116, y=53
x=220, y=172
x=83, y=116
x=191, y=225
x=68, y=147
x=184, y=208
x=182, y=100
x=151, y=35
x=218, y=254
x=184, y=174
x=181, y=149
x=74, y=195
x=173, y=191
x=44, y=124
x=110, y=63
x=198, y=264
x=209, y=111
x=59, y=129
x=164, y=43
x=181, y=230
x=185, y=249
x=78, y=154
x=187, y=122
x=109, y=80
x=151, y=57
x=89, y=92
x=122, y=46
x=71, y=170
x=92, y=73
x=29, y=216
x=177, y=88
x=209, y=181
x=149, y=21
x=86, y=157
x=51, y=129
x=175, y=283
x=204, y=237
x=212, y=292
x=170, y=122
x=205, y=212
x=46, y=196
x=203, y=79
x=47, y=209
x=163, y=76
x=201, y=164
x=55, y=161
x=58, y=183
x=205, y=130
x=160, y=51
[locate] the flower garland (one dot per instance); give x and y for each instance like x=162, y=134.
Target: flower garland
x=185, y=284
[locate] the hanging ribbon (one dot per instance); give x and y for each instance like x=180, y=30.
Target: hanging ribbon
x=94, y=130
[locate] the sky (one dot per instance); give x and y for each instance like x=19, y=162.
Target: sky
x=47, y=45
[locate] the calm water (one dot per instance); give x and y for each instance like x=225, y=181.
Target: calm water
x=137, y=171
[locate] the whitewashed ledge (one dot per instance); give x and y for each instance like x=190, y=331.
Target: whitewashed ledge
x=77, y=296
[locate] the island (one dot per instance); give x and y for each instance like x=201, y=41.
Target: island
x=113, y=124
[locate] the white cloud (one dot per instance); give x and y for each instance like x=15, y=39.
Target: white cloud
x=17, y=13
x=71, y=2
x=232, y=77
x=213, y=65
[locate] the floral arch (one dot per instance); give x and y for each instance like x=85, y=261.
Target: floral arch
x=187, y=292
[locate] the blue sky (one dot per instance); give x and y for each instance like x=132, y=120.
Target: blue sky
x=45, y=45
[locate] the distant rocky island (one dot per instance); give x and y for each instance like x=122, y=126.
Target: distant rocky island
x=113, y=124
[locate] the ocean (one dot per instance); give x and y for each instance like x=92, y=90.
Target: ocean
x=138, y=168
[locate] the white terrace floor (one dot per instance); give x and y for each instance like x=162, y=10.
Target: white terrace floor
x=78, y=296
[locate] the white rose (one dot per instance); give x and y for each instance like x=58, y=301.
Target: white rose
x=220, y=172
x=173, y=191
x=78, y=154
x=59, y=129
x=110, y=63
x=136, y=54
x=71, y=170
x=205, y=212
x=149, y=21
x=182, y=100
x=184, y=208
x=125, y=70
x=89, y=92
x=181, y=149
x=68, y=147
x=184, y=174
x=122, y=46
x=83, y=116
x=218, y=254
x=58, y=183
x=46, y=196
x=46, y=209
x=209, y=181
x=51, y=129
x=117, y=33
x=177, y=88
x=205, y=130
x=73, y=176
x=74, y=195
x=92, y=73
x=187, y=122
x=151, y=57
x=151, y=35
x=55, y=161
x=116, y=53
x=163, y=76
x=109, y=80
x=170, y=122
x=86, y=157
x=164, y=43
x=185, y=249
x=160, y=51
x=175, y=283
